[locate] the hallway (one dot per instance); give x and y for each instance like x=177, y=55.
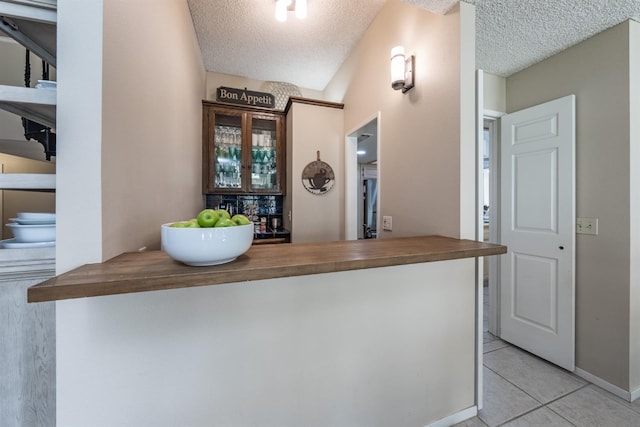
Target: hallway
x=522, y=390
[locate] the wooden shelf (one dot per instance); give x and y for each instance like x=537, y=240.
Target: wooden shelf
x=38, y=105
x=154, y=270
x=27, y=181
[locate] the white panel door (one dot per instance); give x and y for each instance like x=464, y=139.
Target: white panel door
x=537, y=280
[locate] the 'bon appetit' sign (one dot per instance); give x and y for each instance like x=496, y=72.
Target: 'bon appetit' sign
x=245, y=97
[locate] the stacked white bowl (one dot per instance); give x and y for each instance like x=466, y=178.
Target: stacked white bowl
x=31, y=229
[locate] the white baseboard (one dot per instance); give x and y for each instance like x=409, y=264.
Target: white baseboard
x=623, y=394
x=456, y=418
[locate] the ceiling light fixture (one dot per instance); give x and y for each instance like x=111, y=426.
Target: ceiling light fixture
x=401, y=70
x=283, y=7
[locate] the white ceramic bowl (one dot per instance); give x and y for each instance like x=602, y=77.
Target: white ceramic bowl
x=32, y=221
x=38, y=216
x=33, y=233
x=206, y=246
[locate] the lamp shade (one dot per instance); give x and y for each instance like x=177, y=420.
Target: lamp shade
x=281, y=10
x=397, y=67
x=301, y=9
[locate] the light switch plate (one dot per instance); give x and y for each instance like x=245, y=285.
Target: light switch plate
x=587, y=226
x=387, y=223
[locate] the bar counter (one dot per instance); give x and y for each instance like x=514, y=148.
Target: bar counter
x=155, y=270
x=372, y=333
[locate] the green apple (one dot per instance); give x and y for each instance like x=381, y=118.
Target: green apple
x=221, y=213
x=179, y=224
x=207, y=218
x=240, y=219
x=225, y=222
x=192, y=224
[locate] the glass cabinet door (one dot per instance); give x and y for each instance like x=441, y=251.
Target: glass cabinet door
x=264, y=154
x=242, y=150
x=228, y=151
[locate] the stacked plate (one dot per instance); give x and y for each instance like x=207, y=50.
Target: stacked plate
x=31, y=230
x=46, y=84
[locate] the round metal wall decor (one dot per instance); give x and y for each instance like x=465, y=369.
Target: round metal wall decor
x=318, y=177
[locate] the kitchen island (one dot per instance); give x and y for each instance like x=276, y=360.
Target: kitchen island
x=353, y=333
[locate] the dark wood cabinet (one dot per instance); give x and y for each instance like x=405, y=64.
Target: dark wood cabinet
x=243, y=149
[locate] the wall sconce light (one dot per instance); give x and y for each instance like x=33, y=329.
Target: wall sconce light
x=283, y=7
x=401, y=70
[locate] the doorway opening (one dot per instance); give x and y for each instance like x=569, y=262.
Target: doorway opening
x=368, y=183
x=532, y=307
x=362, y=181
x=491, y=209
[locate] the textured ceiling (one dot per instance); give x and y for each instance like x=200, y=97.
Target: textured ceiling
x=435, y=6
x=242, y=37
x=511, y=35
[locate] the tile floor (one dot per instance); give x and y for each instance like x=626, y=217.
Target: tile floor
x=521, y=390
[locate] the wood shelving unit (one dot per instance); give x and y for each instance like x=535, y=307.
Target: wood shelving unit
x=33, y=24
x=38, y=105
x=27, y=181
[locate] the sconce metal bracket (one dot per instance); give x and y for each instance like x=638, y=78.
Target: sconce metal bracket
x=408, y=73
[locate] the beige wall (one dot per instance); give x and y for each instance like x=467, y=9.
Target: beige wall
x=312, y=128
x=597, y=72
x=420, y=137
x=495, y=93
x=131, y=155
x=153, y=84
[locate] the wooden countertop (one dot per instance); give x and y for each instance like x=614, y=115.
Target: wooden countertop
x=155, y=270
